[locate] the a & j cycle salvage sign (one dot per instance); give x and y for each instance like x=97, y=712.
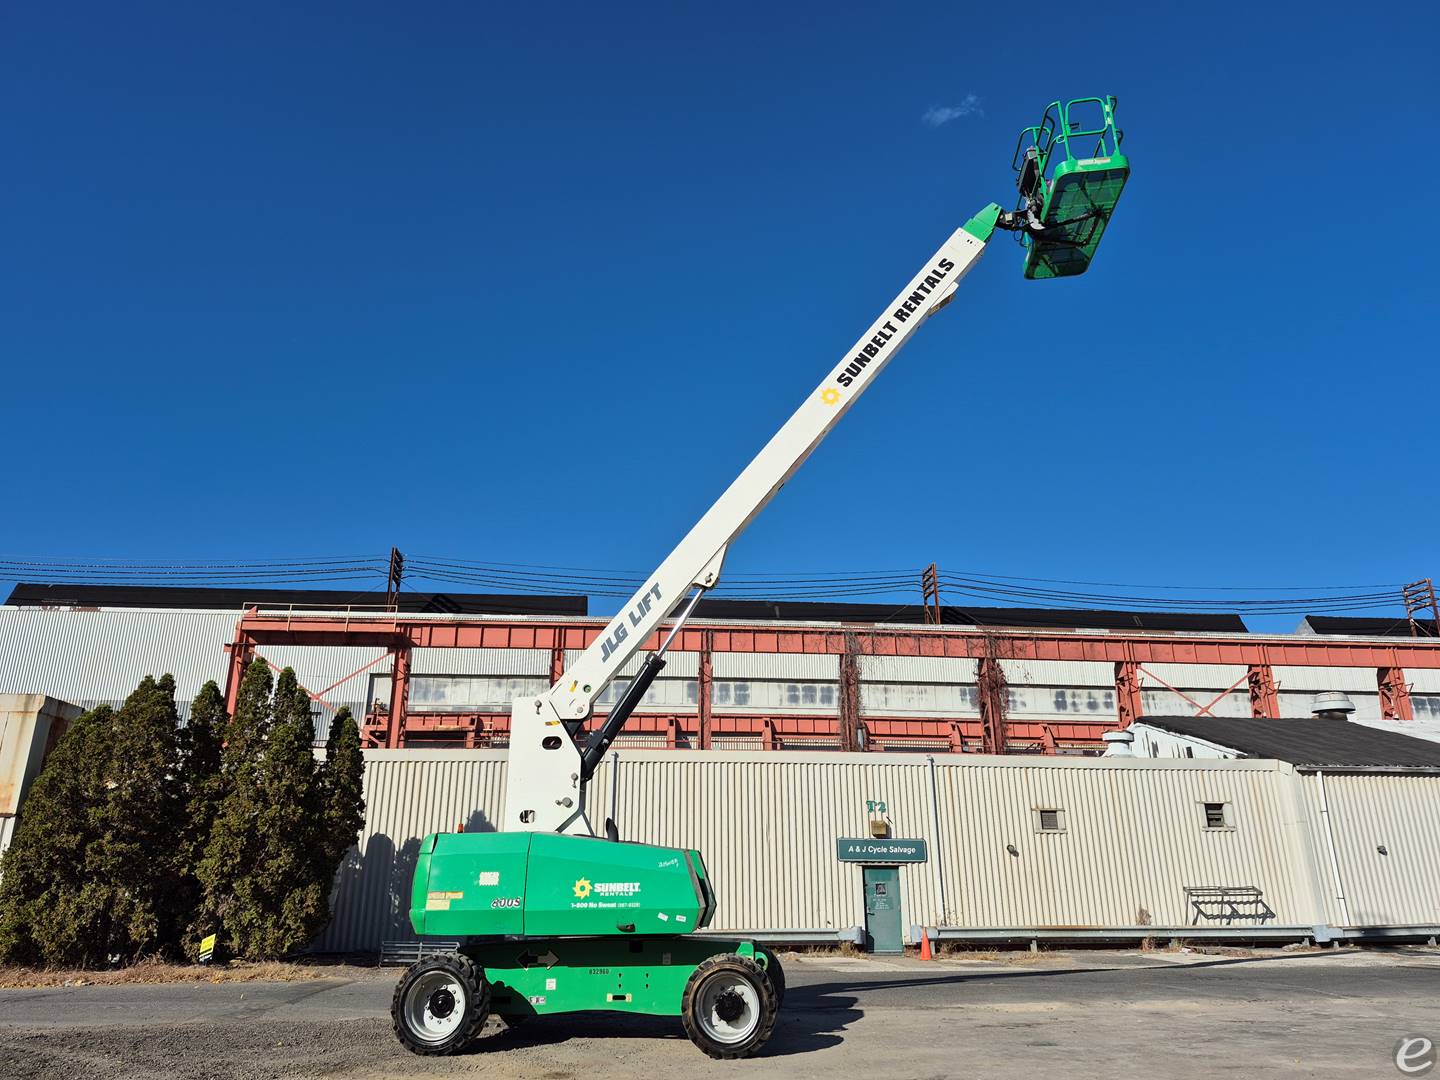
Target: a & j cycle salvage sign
x=864, y=849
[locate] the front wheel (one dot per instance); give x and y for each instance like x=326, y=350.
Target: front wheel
x=729, y=1006
x=440, y=1004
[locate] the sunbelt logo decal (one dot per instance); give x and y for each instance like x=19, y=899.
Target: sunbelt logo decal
x=618, y=888
x=605, y=894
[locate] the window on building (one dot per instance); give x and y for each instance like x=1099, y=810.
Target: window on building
x=1217, y=815
x=1047, y=820
x=726, y=692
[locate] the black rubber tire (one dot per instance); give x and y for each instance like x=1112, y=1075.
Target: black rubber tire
x=776, y=974
x=477, y=992
x=729, y=965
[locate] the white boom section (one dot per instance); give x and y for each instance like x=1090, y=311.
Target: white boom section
x=544, y=791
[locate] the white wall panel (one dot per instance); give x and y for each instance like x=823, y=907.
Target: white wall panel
x=1213, y=677
x=1086, y=673
x=678, y=664
x=1317, y=679
x=799, y=666
x=480, y=662
x=932, y=669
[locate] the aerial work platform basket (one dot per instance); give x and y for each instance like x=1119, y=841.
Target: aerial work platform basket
x=1065, y=199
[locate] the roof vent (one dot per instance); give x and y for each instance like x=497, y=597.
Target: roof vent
x=1117, y=744
x=1332, y=705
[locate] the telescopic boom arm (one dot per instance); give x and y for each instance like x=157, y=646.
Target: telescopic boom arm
x=548, y=770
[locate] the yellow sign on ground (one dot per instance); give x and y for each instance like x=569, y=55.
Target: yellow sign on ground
x=207, y=948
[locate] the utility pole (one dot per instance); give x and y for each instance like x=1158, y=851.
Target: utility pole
x=994, y=695
x=850, y=694
x=1418, y=596
x=930, y=589
x=397, y=572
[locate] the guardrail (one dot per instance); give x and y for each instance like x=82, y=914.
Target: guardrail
x=1319, y=935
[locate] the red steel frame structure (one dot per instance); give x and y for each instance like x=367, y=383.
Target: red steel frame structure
x=1129, y=652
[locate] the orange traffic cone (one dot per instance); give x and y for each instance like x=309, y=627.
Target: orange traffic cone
x=925, y=953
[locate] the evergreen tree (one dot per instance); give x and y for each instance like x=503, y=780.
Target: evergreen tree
x=138, y=830
x=270, y=863
x=224, y=872
x=50, y=912
x=293, y=827
x=137, y=861
x=202, y=741
x=202, y=748
x=343, y=788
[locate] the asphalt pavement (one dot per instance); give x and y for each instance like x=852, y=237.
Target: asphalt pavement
x=1150, y=1015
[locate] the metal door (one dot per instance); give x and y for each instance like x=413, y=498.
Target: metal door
x=882, y=910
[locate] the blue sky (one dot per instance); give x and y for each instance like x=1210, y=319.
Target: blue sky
x=283, y=280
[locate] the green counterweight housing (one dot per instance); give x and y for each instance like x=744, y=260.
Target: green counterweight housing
x=552, y=885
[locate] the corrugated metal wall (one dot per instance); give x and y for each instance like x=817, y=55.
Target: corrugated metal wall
x=408, y=794
x=1134, y=836
x=1397, y=887
x=83, y=656
x=1133, y=840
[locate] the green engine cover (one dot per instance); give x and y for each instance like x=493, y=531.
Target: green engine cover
x=549, y=885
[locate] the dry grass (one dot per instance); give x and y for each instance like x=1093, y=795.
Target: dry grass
x=155, y=971
x=1013, y=957
x=844, y=948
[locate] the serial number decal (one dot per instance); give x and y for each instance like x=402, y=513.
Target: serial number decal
x=505, y=902
x=599, y=971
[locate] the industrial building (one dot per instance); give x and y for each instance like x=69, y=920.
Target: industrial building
x=922, y=725
x=442, y=670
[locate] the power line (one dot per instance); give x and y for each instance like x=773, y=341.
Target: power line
x=771, y=585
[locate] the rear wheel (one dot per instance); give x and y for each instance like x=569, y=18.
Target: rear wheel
x=776, y=974
x=440, y=1004
x=729, y=1006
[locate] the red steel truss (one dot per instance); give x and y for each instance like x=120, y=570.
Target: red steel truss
x=395, y=726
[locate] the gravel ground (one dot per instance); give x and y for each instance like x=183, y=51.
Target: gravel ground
x=1110, y=1015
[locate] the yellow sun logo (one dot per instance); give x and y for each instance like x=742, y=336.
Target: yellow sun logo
x=582, y=888
x=829, y=395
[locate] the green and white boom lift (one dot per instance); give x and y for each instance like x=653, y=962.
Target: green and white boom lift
x=554, y=919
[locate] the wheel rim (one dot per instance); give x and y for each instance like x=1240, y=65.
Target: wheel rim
x=729, y=1008
x=435, y=1005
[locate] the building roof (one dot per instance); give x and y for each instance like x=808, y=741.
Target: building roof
x=1309, y=744
x=1389, y=626
x=161, y=596
x=951, y=615
x=459, y=603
